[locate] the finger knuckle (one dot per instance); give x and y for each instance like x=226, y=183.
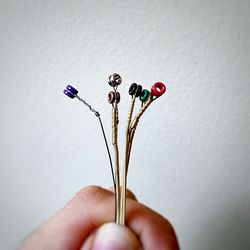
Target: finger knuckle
x=88, y=193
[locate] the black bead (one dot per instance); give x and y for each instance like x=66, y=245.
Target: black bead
x=132, y=89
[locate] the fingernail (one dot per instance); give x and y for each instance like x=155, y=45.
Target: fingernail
x=112, y=236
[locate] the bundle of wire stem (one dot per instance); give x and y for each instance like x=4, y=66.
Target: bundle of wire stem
x=146, y=97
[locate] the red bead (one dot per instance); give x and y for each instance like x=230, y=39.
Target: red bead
x=158, y=89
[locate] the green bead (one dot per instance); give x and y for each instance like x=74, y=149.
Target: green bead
x=144, y=95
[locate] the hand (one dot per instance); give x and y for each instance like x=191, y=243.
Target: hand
x=84, y=223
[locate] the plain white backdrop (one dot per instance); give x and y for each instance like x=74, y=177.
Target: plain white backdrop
x=191, y=154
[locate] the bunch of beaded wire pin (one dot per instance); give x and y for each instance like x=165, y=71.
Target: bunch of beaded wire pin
x=146, y=97
x=72, y=93
x=114, y=99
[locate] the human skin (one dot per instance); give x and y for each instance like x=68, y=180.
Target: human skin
x=84, y=223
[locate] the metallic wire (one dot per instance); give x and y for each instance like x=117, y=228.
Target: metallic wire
x=106, y=144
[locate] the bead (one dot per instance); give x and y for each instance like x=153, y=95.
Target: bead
x=117, y=97
x=111, y=97
x=144, y=95
x=69, y=94
x=115, y=80
x=72, y=90
x=132, y=89
x=138, y=91
x=158, y=89
x=114, y=97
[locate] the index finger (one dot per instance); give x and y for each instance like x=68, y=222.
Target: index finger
x=94, y=206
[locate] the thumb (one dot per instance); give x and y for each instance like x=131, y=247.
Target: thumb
x=112, y=236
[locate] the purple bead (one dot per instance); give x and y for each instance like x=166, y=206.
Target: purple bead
x=69, y=94
x=72, y=90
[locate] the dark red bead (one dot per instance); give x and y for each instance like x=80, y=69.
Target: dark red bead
x=158, y=89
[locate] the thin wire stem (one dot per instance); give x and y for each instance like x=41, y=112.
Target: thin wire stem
x=111, y=165
x=126, y=159
x=107, y=147
x=131, y=127
x=116, y=153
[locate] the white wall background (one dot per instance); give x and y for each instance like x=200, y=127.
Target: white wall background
x=191, y=154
